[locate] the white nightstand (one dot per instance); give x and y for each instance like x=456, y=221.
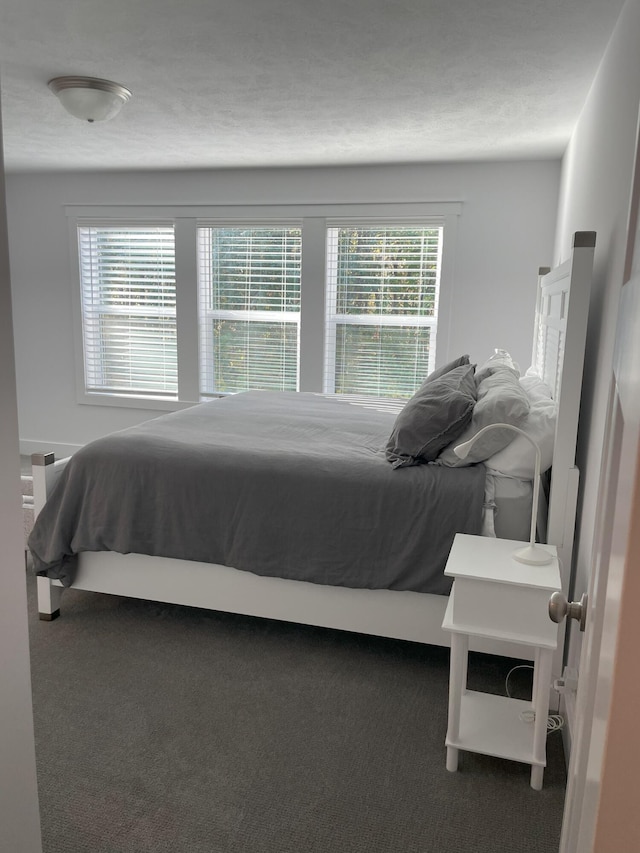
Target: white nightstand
x=495, y=596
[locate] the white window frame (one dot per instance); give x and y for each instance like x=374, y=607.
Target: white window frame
x=313, y=219
x=254, y=315
x=333, y=319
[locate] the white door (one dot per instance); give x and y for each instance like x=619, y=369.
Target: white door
x=602, y=808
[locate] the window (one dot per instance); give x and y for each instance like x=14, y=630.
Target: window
x=181, y=304
x=382, y=296
x=128, y=290
x=249, y=308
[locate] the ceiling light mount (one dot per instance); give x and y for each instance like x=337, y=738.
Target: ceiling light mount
x=89, y=98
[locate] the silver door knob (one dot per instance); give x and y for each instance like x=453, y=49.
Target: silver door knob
x=559, y=607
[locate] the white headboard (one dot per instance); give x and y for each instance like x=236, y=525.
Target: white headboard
x=560, y=333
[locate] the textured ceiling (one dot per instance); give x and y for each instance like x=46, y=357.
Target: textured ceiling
x=232, y=83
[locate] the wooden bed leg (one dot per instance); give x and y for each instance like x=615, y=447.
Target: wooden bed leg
x=48, y=599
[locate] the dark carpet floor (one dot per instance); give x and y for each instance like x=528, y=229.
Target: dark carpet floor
x=162, y=728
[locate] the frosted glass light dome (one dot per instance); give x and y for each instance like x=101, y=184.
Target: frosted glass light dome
x=90, y=98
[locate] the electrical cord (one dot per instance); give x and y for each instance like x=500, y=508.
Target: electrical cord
x=554, y=721
x=512, y=670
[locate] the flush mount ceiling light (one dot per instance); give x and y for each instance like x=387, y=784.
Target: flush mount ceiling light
x=89, y=98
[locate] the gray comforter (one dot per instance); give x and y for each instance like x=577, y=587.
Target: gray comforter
x=280, y=484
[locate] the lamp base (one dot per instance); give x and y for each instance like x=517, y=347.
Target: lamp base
x=532, y=556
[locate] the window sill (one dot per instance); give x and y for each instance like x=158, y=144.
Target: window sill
x=157, y=404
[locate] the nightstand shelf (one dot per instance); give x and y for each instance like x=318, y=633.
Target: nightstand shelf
x=492, y=725
x=496, y=597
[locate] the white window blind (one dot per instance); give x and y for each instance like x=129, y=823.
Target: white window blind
x=382, y=302
x=249, y=308
x=128, y=291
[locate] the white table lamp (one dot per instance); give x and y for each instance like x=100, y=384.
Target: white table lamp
x=532, y=554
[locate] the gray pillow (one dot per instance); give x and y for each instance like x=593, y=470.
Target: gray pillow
x=436, y=414
x=501, y=400
x=447, y=368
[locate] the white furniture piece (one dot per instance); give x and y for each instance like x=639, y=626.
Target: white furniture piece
x=559, y=336
x=498, y=598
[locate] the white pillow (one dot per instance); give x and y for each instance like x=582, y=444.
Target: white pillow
x=518, y=458
x=501, y=400
x=535, y=387
x=498, y=361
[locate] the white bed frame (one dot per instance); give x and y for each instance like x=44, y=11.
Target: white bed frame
x=558, y=352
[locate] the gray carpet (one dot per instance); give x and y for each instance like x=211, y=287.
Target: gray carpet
x=161, y=728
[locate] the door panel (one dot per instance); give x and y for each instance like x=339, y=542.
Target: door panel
x=601, y=809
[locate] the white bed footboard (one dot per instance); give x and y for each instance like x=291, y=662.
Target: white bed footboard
x=46, y=470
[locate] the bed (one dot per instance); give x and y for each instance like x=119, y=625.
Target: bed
x=336, y=571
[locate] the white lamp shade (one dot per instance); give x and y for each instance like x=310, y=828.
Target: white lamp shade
x=89, y=98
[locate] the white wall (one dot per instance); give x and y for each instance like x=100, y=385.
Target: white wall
x=19, y=818
x=595, y=195
x=506, y=232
